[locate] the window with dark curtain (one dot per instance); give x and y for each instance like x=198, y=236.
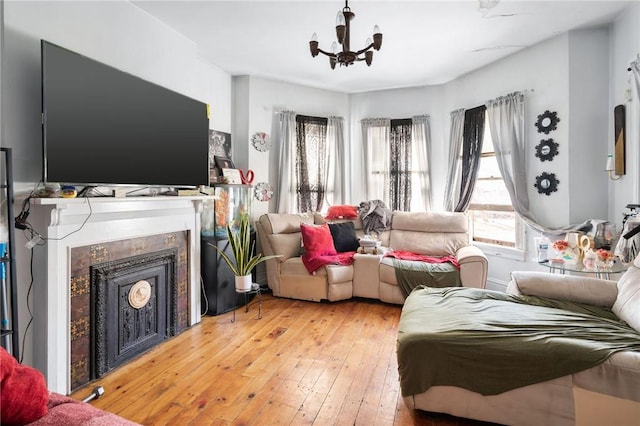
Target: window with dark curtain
x=400, y=165
x=471, y=151
x=311, y=158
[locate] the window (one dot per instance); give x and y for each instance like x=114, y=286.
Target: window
x=397, y=168
x=493, y=219
x=400, y=176
x=311, y=162
x=378, y=161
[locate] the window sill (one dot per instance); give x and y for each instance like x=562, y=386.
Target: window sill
x=504, y=252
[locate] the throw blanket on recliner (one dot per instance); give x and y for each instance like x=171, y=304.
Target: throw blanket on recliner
x=414, y=270
x=491, y=342
x=313, y=263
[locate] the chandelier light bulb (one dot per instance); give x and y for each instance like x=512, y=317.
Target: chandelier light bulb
x=345, y=55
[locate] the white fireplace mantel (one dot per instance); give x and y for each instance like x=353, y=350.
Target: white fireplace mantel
x=77, y=222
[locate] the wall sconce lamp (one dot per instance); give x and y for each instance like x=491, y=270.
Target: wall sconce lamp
x=610, y=169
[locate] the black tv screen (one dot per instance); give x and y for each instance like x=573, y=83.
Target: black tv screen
x=102, y=126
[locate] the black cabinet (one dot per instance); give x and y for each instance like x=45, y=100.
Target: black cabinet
x=219, y=292
x=231, y=202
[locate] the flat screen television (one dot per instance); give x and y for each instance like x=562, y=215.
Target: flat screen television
x=103, y=126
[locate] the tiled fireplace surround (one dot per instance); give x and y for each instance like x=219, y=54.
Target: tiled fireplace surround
x=84, y=232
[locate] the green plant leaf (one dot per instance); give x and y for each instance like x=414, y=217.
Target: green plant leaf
x=241, y=248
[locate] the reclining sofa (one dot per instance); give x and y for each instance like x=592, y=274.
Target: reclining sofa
x=370, y=276
x=608, y=393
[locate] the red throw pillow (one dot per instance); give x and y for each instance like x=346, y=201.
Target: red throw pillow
x=317, y=240
x=23, y=392
x=342, y=212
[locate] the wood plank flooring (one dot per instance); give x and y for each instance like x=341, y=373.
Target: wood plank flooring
x=303, y=363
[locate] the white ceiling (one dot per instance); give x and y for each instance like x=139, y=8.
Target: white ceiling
x=424, y=42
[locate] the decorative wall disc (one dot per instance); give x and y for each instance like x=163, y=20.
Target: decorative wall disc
x=546, y=149
x=546, y=183
x=261, y=141
x=139, y=294
x=263, y=191
x=547, y=121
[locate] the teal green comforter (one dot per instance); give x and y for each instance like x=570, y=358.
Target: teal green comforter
x=490, y=342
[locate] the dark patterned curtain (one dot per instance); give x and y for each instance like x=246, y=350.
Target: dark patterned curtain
x=311, y=158
x=471, y=151
x=400, y=170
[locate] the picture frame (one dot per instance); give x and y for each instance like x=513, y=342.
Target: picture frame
x=219, y=145
x=223, y=162
x=232, y=176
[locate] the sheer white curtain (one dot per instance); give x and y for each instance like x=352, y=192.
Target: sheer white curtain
x=287, y=184
x=506, y=124
x=505, y=116
x=336, y=188
x=375, y=139
x=452, y=192
x=421, y=159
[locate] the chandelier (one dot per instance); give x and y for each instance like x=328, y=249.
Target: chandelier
x=347, y=57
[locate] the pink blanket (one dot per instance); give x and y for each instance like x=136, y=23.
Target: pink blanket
x=316, y=262
x=407, y=255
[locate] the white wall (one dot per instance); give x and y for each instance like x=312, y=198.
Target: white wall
x=624, y=45
x=116, y=33
x=256, y=105
x=567, y=74
x=121, y=35
x=542, y=70
x=399, y=103
x=588, y=122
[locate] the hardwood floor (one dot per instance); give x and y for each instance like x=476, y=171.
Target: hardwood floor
x=302, y=363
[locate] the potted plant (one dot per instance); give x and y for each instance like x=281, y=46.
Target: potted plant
x=243, y=261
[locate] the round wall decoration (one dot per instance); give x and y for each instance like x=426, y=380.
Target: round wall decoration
x=263, y=191
x=546, y=183
x=547, y=121
x=261, y=141
x=546, y=149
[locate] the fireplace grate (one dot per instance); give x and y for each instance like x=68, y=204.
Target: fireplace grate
x=134, y=307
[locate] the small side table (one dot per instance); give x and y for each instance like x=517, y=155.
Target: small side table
x=602, y=273
x=255, y=289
